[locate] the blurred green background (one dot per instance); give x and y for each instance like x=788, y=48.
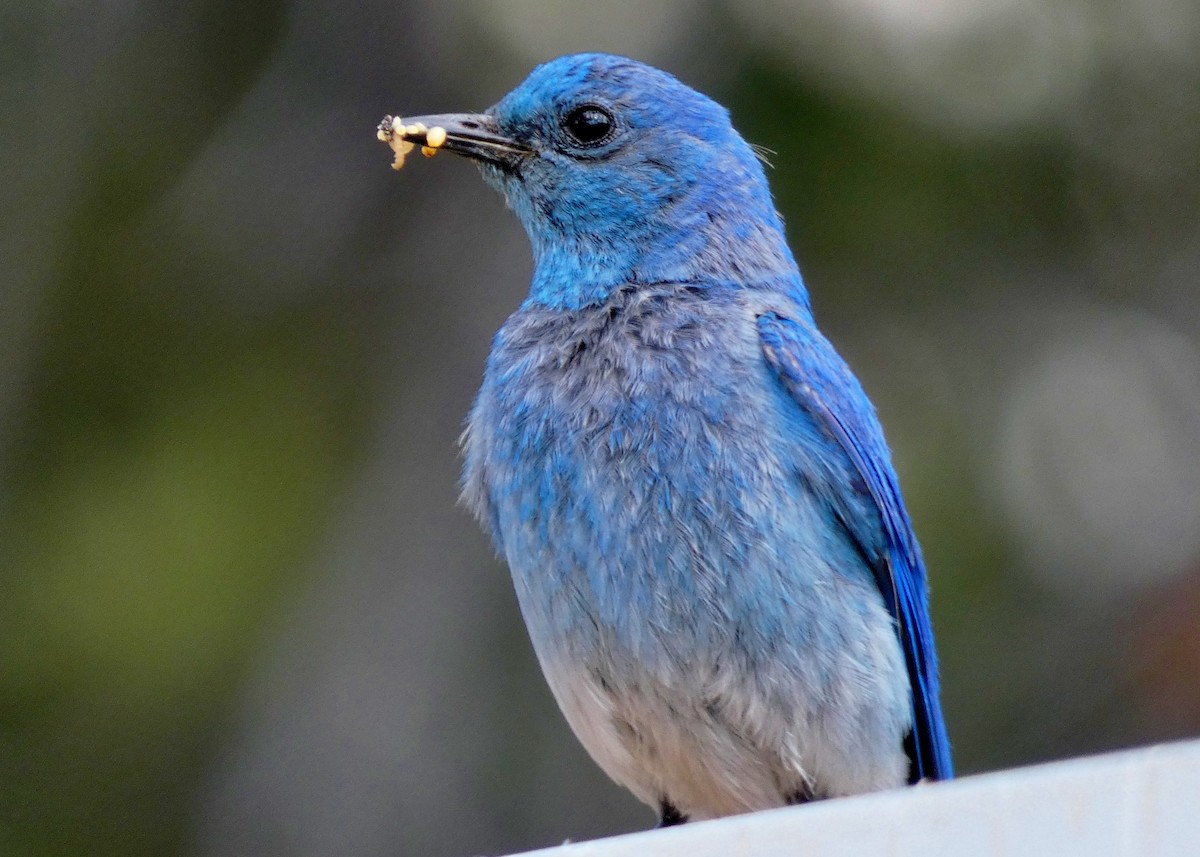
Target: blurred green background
x=240, y=612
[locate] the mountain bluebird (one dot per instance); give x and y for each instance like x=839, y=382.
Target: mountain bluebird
x=689, y=485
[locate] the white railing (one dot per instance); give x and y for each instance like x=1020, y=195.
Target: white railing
x=1135, y=803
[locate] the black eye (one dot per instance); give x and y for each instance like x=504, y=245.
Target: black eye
x=589, y=125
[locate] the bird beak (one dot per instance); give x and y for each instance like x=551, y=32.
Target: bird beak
x=474, y=135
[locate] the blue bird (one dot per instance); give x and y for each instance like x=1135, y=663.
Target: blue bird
x=689, y=485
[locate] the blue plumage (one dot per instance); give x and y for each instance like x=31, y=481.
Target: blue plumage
x=689, y=485
x=824, y=387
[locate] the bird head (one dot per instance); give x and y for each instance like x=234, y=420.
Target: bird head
x=622, y=174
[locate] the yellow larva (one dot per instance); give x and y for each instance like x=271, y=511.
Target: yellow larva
x=396, y=134
x=435, y=138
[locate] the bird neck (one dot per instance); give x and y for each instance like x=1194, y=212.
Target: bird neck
x=572, y=270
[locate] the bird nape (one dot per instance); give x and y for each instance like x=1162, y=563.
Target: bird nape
x=688, y=483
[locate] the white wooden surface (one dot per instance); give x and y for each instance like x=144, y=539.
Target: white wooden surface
x=1135, y=803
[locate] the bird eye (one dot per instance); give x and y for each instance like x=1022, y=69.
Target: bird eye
x=589, y=125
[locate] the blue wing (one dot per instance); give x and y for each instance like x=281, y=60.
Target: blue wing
x=871, y=509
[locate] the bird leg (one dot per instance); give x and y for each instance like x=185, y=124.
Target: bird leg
x=669, y=816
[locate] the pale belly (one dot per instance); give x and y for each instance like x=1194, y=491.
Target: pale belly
x=719, y=708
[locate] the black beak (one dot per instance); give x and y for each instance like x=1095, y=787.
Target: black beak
x=474, y=135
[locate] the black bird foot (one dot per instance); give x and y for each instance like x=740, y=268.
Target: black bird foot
x=669, y=816
x=804, y=794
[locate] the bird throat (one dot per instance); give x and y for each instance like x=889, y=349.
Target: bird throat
x=585, y=268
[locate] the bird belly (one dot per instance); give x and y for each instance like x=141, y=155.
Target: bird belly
x=717, y=744
x=725, y=665
x=653, y=745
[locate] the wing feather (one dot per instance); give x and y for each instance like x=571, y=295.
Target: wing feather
x=824, y=387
